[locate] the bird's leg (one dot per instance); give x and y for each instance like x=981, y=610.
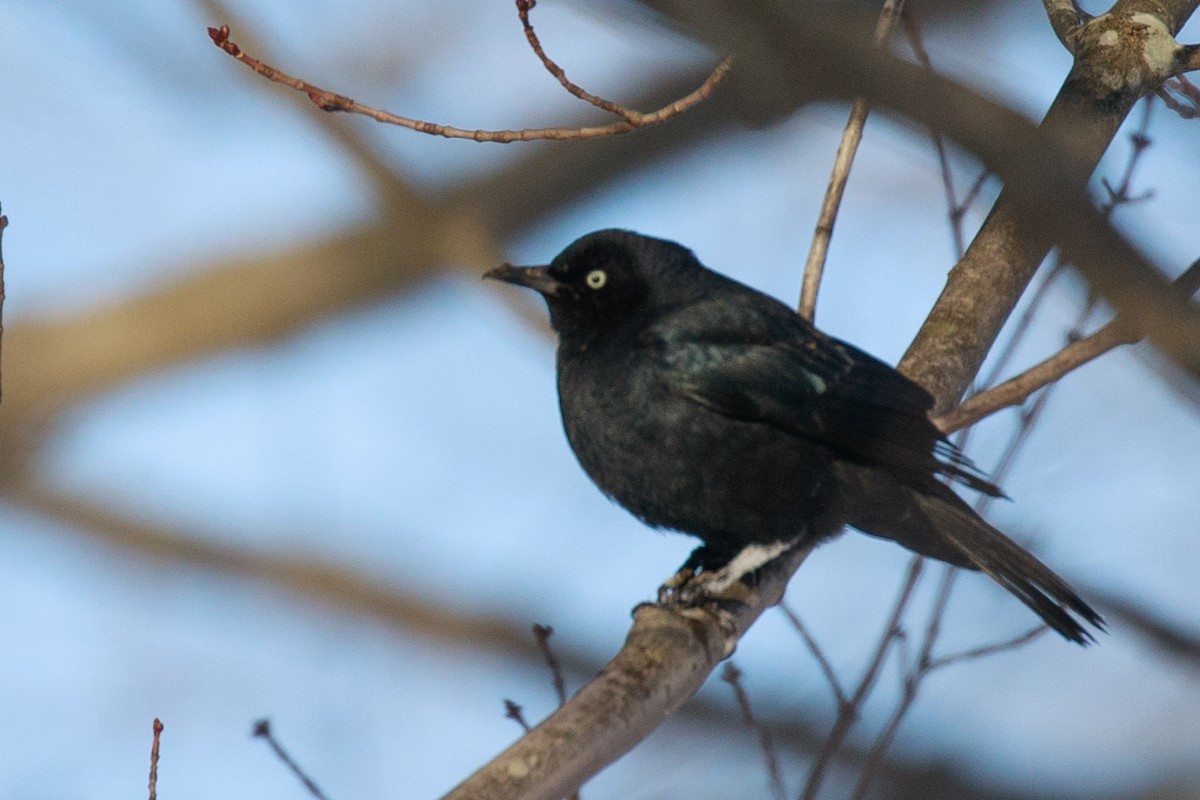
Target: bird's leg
x=708, y=574
x=704, y=559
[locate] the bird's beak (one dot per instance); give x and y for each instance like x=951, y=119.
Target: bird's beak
x=537, y=278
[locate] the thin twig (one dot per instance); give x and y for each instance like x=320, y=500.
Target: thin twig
x=628, y=114
x=839, y=694
x=330, y=101
x=986, y=649
x=733, y=676
x=3, y=225
x=911, y=684
x=848, y=712
x=814, y=267
x=158, y=729
x=516, y=714
x=1016, y=390
x=542, y=634
x=262, y=729
x=957, y=209
x=1188, y=90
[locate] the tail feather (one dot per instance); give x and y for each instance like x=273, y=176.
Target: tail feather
x=1006, y=562
x=933, y=521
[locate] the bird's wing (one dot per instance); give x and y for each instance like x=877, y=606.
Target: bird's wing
x=756, y=364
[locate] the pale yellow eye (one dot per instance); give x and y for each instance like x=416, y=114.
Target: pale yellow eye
x=596, y=279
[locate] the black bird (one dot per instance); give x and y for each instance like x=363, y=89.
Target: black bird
x=702, y=405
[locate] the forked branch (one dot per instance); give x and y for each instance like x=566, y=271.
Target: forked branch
x=631, y=119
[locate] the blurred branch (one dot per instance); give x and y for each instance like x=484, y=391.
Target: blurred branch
x=251, y=300
x=818, y=251
x=1166, y=636
x=733, y=676
x=247, y=302
x=314, y=580
x=631, y=120
x=262, y=730
x=341, y=588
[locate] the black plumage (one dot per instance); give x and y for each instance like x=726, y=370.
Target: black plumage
x=702, y=405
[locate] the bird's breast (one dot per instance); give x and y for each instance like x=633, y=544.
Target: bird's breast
x=677, y=464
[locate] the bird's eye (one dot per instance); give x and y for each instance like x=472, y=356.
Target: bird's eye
x=596, y=279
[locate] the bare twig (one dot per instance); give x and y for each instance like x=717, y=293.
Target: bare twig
x=849, y=711
x=957, y=209
x=814, y=267
x=330, y=101
x=733, y=676
x=986, y=649
x=839, y=694
x=153, y=785
x=912, y=682
x=1015, y=391
x=542, y=634
x=3, y=225
x=262, y=729
x=516, y=714
x=523, y=9
x=1188, y=90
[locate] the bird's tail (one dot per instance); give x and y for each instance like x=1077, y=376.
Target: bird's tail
x=940, y=524
x=1011, y=566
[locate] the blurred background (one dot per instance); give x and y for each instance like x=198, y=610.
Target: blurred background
x=272, y=449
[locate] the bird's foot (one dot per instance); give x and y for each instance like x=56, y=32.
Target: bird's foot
x=733, y=582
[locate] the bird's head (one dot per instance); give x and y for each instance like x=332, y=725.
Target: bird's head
x=606, y=278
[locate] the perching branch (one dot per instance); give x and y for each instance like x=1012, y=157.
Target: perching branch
x=630, y=120
x=666, y=658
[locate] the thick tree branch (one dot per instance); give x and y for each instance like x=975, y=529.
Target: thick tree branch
x=983, y=288
x=1065, y=17
x=667, y=656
